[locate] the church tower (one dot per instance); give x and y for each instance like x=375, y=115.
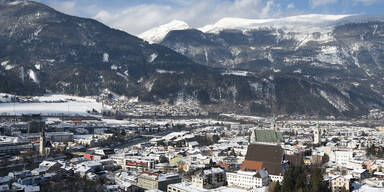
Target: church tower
x=42, y=142
x=316, y=134
x=252, y=139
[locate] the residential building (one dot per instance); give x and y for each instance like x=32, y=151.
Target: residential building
x=189, y=187
x=149, y=180
x=340, y=182
x=248, y=179
x=209, y=178
x=98, y=154
x=138, y=163
x=341, y=156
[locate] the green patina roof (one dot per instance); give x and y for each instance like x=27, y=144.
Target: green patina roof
x=268, y=136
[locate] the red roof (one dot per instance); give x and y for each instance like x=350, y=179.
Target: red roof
x=251, y=165
x=223, y=165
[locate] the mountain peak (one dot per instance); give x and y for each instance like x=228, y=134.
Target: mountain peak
x=155, y=35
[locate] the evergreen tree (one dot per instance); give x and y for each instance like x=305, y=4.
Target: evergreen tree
x=277, y=187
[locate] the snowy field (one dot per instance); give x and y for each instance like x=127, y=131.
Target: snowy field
x=52, y=105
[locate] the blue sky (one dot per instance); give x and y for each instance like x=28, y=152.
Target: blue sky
x=137, y=16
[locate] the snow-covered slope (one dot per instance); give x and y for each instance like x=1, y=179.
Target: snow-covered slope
x=155, y=35
x=246, y=24
x=49, y=105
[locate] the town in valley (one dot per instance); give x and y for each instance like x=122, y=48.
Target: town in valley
x=112, y=148
x=192, y=96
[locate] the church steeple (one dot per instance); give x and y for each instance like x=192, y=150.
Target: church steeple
x=252, y=139
x=316, y=134
x=42, y=141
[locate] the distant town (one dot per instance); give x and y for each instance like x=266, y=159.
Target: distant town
x=120, y=145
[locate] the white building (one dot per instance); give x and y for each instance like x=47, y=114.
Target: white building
x=247, y=179
x=189, y=187
x=341, y=156
x=134, y=162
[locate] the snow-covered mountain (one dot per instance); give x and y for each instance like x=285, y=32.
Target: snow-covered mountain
x=342, y=50
x=325, y=41
x=156, y=35
x=280, y=71
x=312, y=20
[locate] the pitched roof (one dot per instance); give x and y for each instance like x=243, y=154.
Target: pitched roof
x=251, y=165
x=222, y=164
x=268, y=136
x=269, y=157
x=273, y=168
x=265, y=153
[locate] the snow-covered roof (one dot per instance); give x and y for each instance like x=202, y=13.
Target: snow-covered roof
x=5, y=179
x=191, y=188
x=47, y=164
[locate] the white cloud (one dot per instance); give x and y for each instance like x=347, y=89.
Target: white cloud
x=139, y=18
x=367, y=2
x=291, y=6
x=67, y=7
x=317, y=3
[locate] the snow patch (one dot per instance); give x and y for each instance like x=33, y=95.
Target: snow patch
x=276, y=70
x=235, y=51
x=133, y=100
x=105, y=57
x=162, y=71
x=297, y=71
x=114, y=67
x=329, y=54
x=37, y=32
x=123, y=76
x=32, y=75
x=4, y=63
x=126, y=73
x=9, y=67
x=152, y=57
x=15, y=2
x=335, y=101
x=206, y=55
x=270, y=58
x=148, y=85
x=38, y=66
x=236, y=73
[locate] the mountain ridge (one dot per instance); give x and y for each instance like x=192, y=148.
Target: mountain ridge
x=45, y=51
